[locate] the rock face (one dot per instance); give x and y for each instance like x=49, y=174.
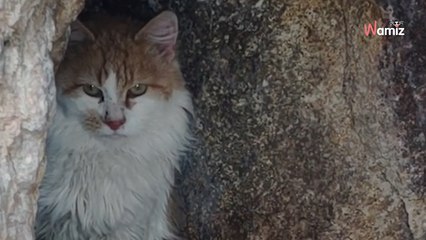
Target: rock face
x=27, y=30
x=307, y=128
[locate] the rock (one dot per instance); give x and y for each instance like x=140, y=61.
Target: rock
x=27, y=30
x=321, y=151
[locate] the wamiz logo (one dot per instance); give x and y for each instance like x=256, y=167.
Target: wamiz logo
x=394, y=28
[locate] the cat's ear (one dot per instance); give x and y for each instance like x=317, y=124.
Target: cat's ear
x=162, y=31
x=80, y=33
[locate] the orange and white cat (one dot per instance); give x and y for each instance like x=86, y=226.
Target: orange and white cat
x=121, y=125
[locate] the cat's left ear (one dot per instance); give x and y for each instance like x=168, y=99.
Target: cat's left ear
x=80, y=33
x=161, y=31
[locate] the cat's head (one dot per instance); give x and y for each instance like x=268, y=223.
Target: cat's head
x=118, y=78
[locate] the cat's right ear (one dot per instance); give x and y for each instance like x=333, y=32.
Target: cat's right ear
x=162, y=31
x=80, y=33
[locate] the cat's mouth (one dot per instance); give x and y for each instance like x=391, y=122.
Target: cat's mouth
x=114, y=135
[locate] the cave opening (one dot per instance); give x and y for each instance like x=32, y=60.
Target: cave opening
x=141, y=10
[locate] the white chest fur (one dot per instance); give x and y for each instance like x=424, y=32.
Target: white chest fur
x=111, y=188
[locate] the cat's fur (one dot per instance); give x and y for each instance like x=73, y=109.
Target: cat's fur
x=106, y=184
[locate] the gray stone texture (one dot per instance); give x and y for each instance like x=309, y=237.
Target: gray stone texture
x=28, y=29
x=303, y=133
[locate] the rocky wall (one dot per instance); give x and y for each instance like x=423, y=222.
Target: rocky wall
x=31, y=34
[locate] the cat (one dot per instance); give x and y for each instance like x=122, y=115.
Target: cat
x=120, y=128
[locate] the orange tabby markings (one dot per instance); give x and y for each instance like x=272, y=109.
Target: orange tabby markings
x=117, y=136
x=111, y=48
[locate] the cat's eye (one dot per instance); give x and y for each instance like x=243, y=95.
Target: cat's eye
x=137, y=90
x=92, y=90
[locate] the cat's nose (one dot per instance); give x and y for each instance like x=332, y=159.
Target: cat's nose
x=115, y=124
